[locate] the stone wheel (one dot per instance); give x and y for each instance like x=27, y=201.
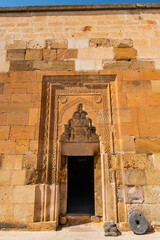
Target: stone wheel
x=138, y=223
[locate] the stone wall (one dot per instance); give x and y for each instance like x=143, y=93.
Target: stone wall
x=123, y=43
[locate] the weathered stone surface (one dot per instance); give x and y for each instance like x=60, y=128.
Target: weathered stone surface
x=5, y=178
x=18, y=177
x=17, y=118
x=147, y=145
x=24, y=194
x=4, y=132
x=36, y=44
x=30, y=161
x=124, y=65
x=121, y=43
x=152, y=194
x=56, y=65
x=33, y=54
x=153, y=176
x=18, y=54
x=66, y=54
x=22, y=133
x=78, y=43
x=125, y=53
x=110, y=229
x=21, y=66
x=7, y=146
x=57, y=43
x=135, y=177
x=23, y=213
x=49, y=54
x=22, y=146
x=12, y=162
x=16, y=44
x=121, y=212
x=134, y=195
x=156, y=160
x=99, y=42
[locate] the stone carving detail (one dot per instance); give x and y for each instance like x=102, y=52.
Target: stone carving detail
x=79, y=128
x=98, y=99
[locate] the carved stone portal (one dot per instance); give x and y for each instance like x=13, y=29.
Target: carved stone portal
x=75, y=121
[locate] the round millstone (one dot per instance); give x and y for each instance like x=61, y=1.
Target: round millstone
x=138, y=223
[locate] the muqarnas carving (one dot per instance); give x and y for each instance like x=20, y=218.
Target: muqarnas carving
x=79, y=128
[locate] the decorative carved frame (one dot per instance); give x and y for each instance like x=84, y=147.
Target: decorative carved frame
x=55, y=92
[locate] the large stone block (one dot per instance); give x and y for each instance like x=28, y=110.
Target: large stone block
x=57, y=43
x=121, y=43
x=134, y=195
x=49, y=54
x=14, y=107
x=4, y=132
x=6, y=195
x=99, y=42
x=135, y=177
x=3, y=119
x=56, y=65
x=156, y=160
x=33, y=116
x=17, y=118
x=145, y=209
x=33, y=54
x=18, y=177
x=16, y=44
x=152, y=194
x=7, y=146
x=67, y=54
x=78, y=43
x=121, y=212
x=21, y=66
x=22, y=146
x=30, y=161
x=155, y=213
x=5, y=178
x=18, y=54
x=125, y=53
x=147, y=145
x=22, y=132
x=23, y=213
x=96, y=53
x=24, y=194
x=36, y=44
x=12, y=162
x=153, y=177
x=6, y=212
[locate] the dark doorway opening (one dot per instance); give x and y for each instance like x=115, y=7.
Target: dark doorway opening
x=81, y=185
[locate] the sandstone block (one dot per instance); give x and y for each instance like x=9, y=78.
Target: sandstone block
x=125, y=53
x=5, y=195
x=16, y=44
x=17, y=118
x=154, y=113
x=137, y=99
x=2, y=44
x=14, y=107
x=134, y=195
x=30, y=161
x=99, y=42
x=23, y=213
x=121, y=212
x=3, y=119
x=21, y=66
x=22, y=146
x=147, y=145
x=155, y=85
x=33, y=116
x=13, y=55
x=121, y=43
x=1, y=87
x=36, y=44
x=66, y=54
x=18, y=177
x=151, y=194
x=4, y=66
x=22, y=133
x=135, y=177
x=4, y=132
x=24, y=194
x=7, y=146
x=57, y=43
x=153, y=177
x=49, y=54
x=78, y=43
x=155, y=213
x=21, y=98
x=156, y=160
x=96, y=53
x=2, y=55
x=6, y=212
x=56, y=65
x=5, y=178
x=33, y=54
x=88, y=65
x=126, y=144
x=12, y=162
x=33, y=146
x=145, y=209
